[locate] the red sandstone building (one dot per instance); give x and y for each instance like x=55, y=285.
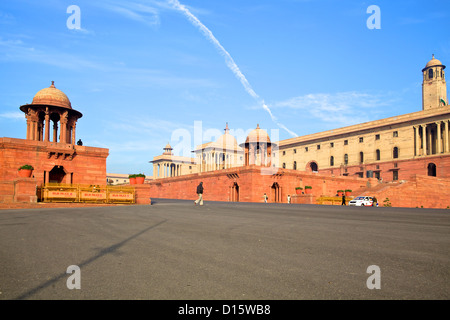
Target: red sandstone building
x=50, y=148
x=405, y=158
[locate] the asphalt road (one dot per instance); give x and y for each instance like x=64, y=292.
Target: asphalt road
x=222, y=251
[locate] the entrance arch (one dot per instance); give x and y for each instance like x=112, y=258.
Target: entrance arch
x=312, y=166
x=57, y=175
x=431, y=169
x=276, y=192
x=234, y=192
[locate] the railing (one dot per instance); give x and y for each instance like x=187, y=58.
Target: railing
x=59, y=192
x=332, y=200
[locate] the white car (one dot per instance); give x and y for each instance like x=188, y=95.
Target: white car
x=361, y=202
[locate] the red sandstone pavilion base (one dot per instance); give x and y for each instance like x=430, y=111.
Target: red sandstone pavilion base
x=52, y=153
x=52, y=162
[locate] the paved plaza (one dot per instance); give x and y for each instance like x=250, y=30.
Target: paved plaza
x=173, y=250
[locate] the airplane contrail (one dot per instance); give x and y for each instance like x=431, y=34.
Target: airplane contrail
x=228, y=59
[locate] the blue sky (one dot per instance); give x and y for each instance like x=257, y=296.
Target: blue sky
x=141, y=71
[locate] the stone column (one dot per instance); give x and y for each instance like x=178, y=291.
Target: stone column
x=35, y=130
x=47, y=125
x=55, y=131
x=251, y=154
x=416, y=137
x=446, y=140
x=438, y=142
x=28, y=129
x=424, y=139
x=64, y=128
x=73, y=132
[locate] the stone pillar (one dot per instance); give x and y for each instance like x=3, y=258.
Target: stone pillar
x=63, y=122
x=35, y=130
x=47, y=126
x=424, y=138
x=73, y=132
x=438, y=138
x=55, y=131
x=28, y=129
x=446, y=140
x=416, y=137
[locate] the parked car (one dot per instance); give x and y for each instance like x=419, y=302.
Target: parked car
x=361, y=201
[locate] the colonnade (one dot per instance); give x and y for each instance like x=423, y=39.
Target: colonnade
x=432, y=138
x=211, y=161
x=167, y=170
x=38, y=125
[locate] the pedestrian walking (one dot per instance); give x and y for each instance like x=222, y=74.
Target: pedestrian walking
x=200, y=194
x=289, y=198
x=265, y=197
x=343, y=200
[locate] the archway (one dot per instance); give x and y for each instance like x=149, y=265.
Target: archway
x=276, y=192
x=431, y=170
x=235, y=192
x=312, y=166
x=56, y=175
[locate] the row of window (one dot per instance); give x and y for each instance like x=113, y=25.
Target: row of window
x=361, y=140
x=395, y=155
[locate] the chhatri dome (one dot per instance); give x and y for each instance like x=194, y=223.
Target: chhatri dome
x=51, y=105
x=52, y=96
x=257, y=135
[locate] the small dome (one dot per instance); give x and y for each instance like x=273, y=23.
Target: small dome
x=227, y=141
x=258, y=135
x=168, y=147
x=52, y=96
x=433, y=62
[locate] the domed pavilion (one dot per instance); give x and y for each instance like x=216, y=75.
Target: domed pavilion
x=51, y=105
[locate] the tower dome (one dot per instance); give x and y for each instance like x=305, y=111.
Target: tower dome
x=52, y=96
x=433, y=63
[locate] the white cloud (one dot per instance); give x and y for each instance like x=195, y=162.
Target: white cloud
x=13, y=115
x=135, y=11
x=344, y=108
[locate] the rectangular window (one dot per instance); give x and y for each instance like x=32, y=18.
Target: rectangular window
x=395, y=175
x=395, y=134
x=377, y=137
x=284, y=153
x=318, y=147
x=306, y=149
x=345, y=142
x=284, y=165
x=361, y=139
x=295, y=151
x=332, y=144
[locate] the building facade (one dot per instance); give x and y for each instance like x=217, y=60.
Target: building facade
x=389, y=149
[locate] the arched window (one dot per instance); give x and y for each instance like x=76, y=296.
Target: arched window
x=361, y=157
x=378, y=155
x=395, y=153
x=431, y=170
x=314, y=167
x=331, y=161
x=430, y=73
x=345, y=158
